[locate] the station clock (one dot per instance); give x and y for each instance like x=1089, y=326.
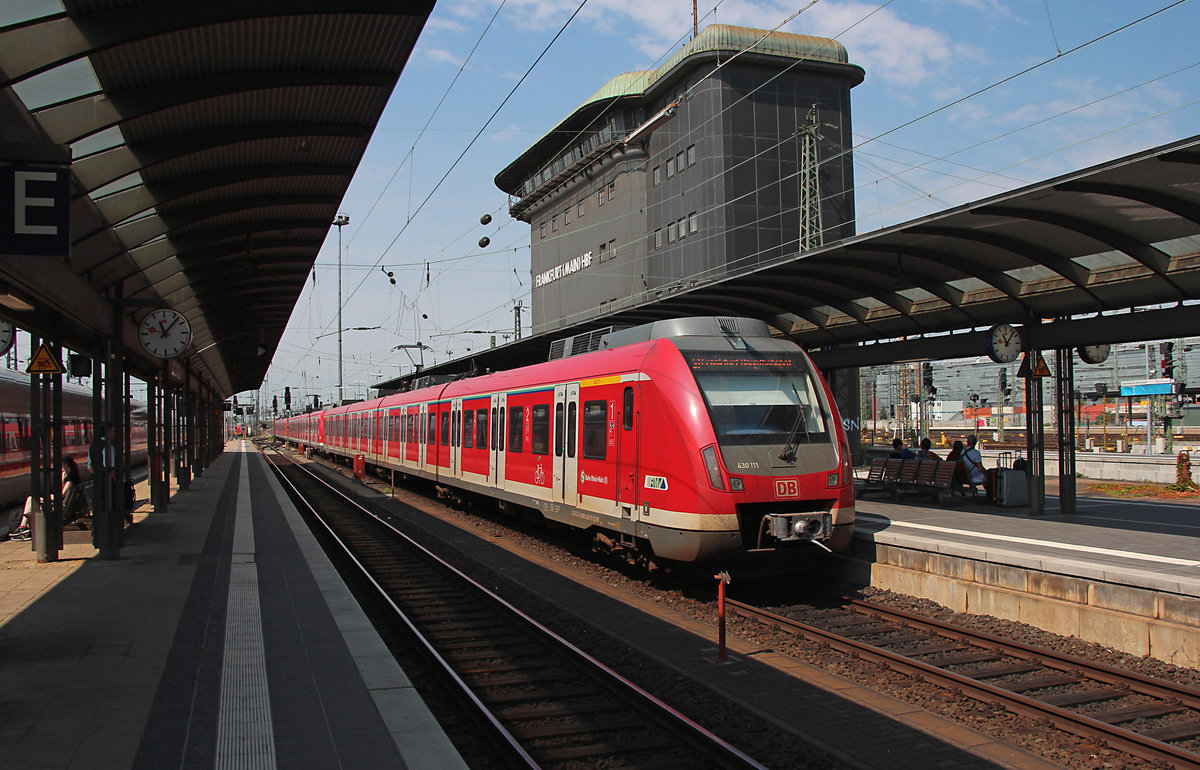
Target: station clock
x=7, y=335
x=165, y=333
x=1003, y=343
x=1094, y=354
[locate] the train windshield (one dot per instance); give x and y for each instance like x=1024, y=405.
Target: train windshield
x=760, y=398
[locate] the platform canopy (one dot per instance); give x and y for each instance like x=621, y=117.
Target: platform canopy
x=209, y=145
x=1107, y=239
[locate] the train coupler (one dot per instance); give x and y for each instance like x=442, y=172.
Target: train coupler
x=791, y=527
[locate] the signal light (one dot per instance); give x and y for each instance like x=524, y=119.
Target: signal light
x=1168, y=361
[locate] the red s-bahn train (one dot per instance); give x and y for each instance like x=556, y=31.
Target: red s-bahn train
x=77, y=432
x=688, y=440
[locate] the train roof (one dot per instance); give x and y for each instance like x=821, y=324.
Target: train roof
x=76, y=399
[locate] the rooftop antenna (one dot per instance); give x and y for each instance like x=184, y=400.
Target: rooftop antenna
x=695, y=22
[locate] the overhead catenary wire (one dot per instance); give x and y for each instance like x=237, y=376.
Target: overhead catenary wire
x=878, y=136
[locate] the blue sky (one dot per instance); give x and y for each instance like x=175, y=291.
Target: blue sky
x=963, y=99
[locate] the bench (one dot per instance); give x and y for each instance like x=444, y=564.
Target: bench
x=895, y=475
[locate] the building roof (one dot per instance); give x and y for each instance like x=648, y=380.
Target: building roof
x=714, y=42
x=210, y=146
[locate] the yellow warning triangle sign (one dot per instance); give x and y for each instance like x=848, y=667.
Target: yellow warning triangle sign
x=1033, y=365
x=44, y=362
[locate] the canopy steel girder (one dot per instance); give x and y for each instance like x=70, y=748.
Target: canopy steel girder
x=203, y=124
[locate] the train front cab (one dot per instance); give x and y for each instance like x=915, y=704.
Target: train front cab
x=743, y=454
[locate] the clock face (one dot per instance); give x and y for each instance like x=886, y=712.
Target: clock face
x=1004, y=343
x=7, y=334
x=165, y=333
x=1094, y=354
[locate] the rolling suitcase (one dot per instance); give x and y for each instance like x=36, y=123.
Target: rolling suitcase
x=1012, y=487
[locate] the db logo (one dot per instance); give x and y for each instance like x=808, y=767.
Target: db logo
x=787, y=487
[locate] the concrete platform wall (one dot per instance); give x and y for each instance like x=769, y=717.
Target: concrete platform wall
x=1135, y=620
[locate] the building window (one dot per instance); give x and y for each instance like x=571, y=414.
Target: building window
x=579, y=208
x=554, y=223
x=612, y=191
x=680, y=160
x=671, y=228
x=542, y=229
x=691, y=155
x=693, y=222
x=600, y=197
x=603, y=252
x=670, y=167
x=657, y=175
x=567, y=216
x=612, y=249
x=658, y=238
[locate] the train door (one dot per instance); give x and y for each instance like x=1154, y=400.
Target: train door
x=497, y=437
x=566, y=430
x=455, y=447
x=422, y=430
x=627, y=449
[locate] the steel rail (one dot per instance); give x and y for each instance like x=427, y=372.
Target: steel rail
x=724, y=753
x=1077, y=724
x=1139, y=683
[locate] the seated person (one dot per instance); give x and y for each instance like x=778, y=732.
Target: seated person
x=925, y=453
x=901, y=451
x=976, y=473
x=961, y=477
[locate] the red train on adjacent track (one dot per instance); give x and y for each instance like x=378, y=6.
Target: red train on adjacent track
x=690, y=440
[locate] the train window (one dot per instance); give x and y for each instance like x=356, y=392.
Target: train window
x=760, y=399
x=444, y=439
x=595, y=444
x=627, y=410
x=558, y=430
x=481, y=428
x=431, y=429
x=540, y=439
x=572, y=428
x=494, y=428
x=515, y=428
x=468, y=429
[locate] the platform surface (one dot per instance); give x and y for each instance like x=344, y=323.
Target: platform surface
x=222, y=636
x=1141, y=543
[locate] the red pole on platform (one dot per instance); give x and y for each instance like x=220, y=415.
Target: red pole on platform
x=722, y=578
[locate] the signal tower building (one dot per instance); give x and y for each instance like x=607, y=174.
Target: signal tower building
x=733, y=154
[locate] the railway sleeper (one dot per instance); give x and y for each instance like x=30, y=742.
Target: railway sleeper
x=1053, y=679
x=1141, y=711
x=1080, y=697
x=571, y=727
x=597, y=750
x=1173, y=732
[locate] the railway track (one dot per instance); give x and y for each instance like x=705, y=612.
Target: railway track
x=1142, y=716
x=547, y=703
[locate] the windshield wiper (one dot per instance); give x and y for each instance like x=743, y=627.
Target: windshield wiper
x=788, y=455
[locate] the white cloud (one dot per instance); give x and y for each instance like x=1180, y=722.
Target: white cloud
x=439, y=55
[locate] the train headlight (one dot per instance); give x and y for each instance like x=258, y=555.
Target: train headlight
x=736, y=485
x=709, y=453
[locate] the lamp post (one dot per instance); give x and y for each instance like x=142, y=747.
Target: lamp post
x=340, y=221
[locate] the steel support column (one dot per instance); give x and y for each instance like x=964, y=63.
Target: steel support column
x=1064, y=382
x=1035, y=443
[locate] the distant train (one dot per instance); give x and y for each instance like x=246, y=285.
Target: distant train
x=76, y=431
x=689, y=440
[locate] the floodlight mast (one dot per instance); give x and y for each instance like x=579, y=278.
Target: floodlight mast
x=340, y=221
